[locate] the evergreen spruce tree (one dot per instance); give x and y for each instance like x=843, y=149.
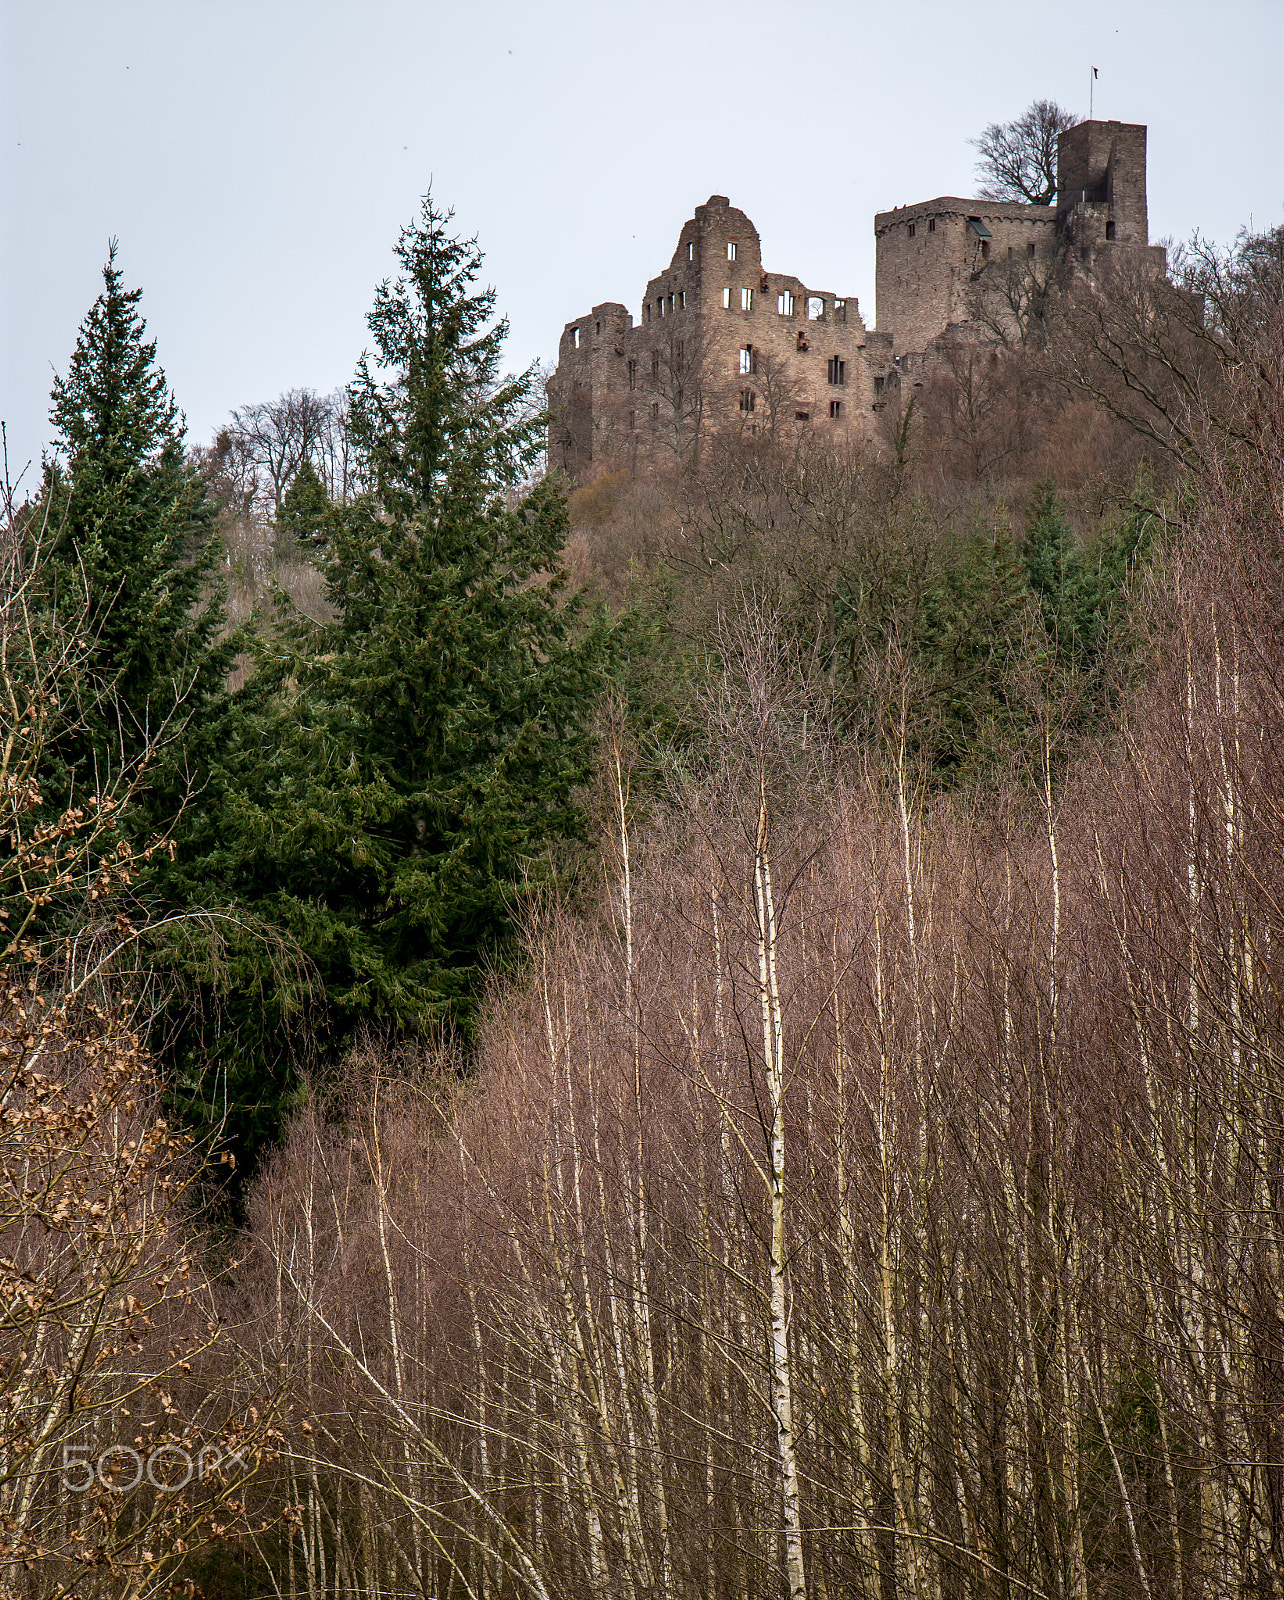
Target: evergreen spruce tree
x=1082, y=600
x=136, y=534
x=305, y=516
x=974, y=618
x=1059, y=577
x=411, y=773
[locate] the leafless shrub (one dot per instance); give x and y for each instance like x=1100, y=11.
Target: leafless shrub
x=1191, y=362
x=110, y=1341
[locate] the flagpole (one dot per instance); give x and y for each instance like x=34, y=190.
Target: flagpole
x=1092, y=83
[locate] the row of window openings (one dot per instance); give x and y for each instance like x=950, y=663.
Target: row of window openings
x=837, y=367
x=669, y=303
x=748, y=363
x=786, y=304
x=749, y=401
x=732, y=249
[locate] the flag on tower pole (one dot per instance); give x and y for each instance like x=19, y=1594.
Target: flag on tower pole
x=1091, y=81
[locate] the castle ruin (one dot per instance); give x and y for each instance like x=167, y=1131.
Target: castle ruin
x=724, y=345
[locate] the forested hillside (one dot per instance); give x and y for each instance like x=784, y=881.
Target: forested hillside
x=711, y=1034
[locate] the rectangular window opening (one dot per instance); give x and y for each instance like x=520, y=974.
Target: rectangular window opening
x=732, y=249
x=575, y=338
x=747, y=399
x=837, y=370
x=815, y=308
x=879, y=385
x=911, y=230
x=802, y=416
x=691, y=250
x=840, y=311
x=785, y=303
x=655, y=411
x=726, y=299
x=835, y=408
x=748, y=359
x=633, y=374
x=1029, y=250
x=746, y=299
x=931, y=224
x=682, y=300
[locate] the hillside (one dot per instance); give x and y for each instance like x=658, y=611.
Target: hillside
x=708, y=1032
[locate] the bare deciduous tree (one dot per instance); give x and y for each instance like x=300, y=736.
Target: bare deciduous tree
x=682, y=381
x=112, y=1352
x=1018, y=159
x=278, y=436
x=1194, y=363
x=1016, y=300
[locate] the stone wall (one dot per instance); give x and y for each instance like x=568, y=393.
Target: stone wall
x=723, y=345
x=1102, y=217
x=1103, y=165
x=928, y=257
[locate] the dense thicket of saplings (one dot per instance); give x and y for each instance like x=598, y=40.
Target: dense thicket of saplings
x=795, y=1094
x=865, y=1201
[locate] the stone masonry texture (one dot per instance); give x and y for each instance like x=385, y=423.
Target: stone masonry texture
x=722, y=345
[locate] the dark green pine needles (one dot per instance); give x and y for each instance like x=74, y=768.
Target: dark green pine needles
x=136, y=541
x=413, y=770
x=305, y=514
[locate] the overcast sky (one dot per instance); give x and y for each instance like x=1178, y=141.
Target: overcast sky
x=256, y=160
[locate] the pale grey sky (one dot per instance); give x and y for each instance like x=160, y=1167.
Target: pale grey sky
x=256, y=160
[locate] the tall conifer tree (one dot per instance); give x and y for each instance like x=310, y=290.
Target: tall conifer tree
x=415, y=769
x=135, y=535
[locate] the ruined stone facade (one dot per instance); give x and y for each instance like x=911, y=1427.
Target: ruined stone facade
x=722, y=345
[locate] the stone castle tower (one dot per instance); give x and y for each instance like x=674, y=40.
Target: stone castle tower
x=723, y=345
